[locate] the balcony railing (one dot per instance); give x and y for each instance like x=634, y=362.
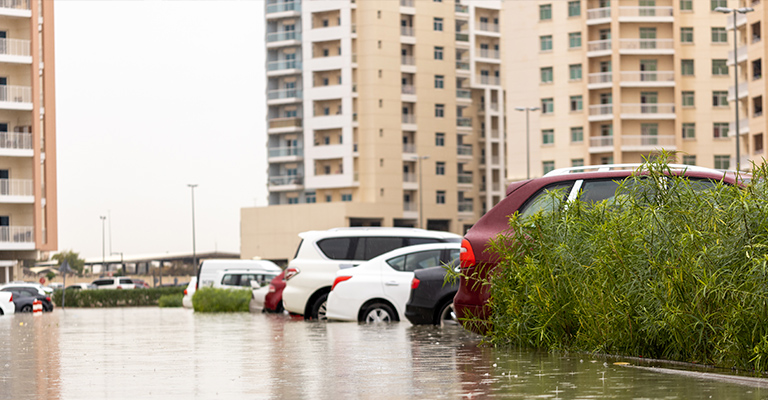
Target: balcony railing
x=601, y=77
x=409, y=148
x=17, y=234
x=16, y=187
x=16, y=140
x=647, y=44
x=284, y=94
x=741, y=55
x=741, y=19
x=462, y=37
x=407, y=60
x=648, y=76
x=464, y=150
x=285, y=64
x=408, y=89
x=406, y=31
x=464, y=121
x=290, y=122
x=743, y=90
x=16, y=94
x=280, y=36
x=652, y=108
x=601, y=109
x=461, y=8
x=14, y=47
x=648, y=140
x=599, y=13
x=409, y=118
x=490, y=80
x=464, y=93
x=599, y=45
x=409, y=177
x=286, y=151
x=488, y=27
x=601, y=141
x=645, y=11
x=462, y=65
x=743, y=125
x=283, y=6
x=465, y=206
x=411, y=206
x=286, y=180
x=406, y=3
x=488, y=53
x=464, y=178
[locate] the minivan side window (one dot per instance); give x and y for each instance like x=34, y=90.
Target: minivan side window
x=543, y=201
x=341, y=248
x=376, y=246
x=415, y=241
x=230, y=279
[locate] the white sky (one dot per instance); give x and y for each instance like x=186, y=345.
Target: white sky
x=152, y=96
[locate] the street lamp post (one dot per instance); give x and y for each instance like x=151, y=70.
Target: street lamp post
x=735, y=11
x=194, y=250
x=421, y=191
x=103, y=246
x=527, y=139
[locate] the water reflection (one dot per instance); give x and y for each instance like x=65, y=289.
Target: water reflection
x=174, y=353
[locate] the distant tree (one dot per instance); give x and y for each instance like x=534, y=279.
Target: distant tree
x=73, y=259
x=50, y=275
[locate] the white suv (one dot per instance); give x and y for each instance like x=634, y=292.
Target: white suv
x=321, y=254
x=114, y=283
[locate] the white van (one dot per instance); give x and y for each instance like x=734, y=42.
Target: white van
x=212, y=272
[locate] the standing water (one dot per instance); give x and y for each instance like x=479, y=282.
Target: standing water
x=131, y=353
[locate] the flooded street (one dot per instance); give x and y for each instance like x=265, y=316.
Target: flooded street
x=175, y=354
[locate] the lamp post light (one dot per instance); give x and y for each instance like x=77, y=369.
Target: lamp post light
x=527, y=139
x=103, y=246
x=735, y=11
x=421, y=195
x=194, y=252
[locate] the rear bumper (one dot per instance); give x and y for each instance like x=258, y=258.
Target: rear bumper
x=473, y=318
x=420, y=315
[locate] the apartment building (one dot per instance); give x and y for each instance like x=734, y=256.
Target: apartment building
x=380, y=113
x=615, y=81
x=27, y=134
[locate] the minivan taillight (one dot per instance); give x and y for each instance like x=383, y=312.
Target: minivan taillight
x=415, y=283
x=290, y=273
x=340, y=279
x=467, y=256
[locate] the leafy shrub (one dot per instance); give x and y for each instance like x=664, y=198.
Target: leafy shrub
x=663, y=270
x=221, y=300
x=170, y=300
x=114, y=297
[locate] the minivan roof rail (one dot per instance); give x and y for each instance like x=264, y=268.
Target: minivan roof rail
x=620, y=167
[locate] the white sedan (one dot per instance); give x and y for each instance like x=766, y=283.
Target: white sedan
x=6, y=303
x=378, y=290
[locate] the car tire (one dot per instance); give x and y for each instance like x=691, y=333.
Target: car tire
x=446, y=316
x=319, y=308
x=378, y=312
x=1, y=312
x=26, y=308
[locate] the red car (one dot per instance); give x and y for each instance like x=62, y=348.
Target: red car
x=273, y=301
x=594, y=183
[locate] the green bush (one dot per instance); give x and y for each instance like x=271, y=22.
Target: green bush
x=170, y=300
x=221, y=300
x=663, y=270
x=114, y=297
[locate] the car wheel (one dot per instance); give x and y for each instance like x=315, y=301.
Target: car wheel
x=26, y=308
x=1, y=312
x=447, y=316
x=319, y=308
x=378, y=312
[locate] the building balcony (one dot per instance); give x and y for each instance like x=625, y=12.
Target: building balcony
x=16, y=144
x=462, y=37
x=409, y=177
x=466, y=206
x=407, y=60
x=489, y=80
x=285, y=67
x=600, y=112
x=461, y=9
x=289, y=124
x=408, y=89
x=409, y=148
x=410, y=206
x=408, y=119
x=647, y=46
x=406, y=31
x=648, y=78
x=283, y=96
x=286, y=183
x=407, y=3
x=743, y=126
x=600, y=144
x=17, y=238
x=647, y=142
x=488, y=53
x=599, y=48
x=600, y=80
x=286, y=154
x=464, y=150
x=645, y=14
x=16, y=191
x=597, y=16
x=16, y=98
x=464, y=94
x=464, y=179
x=743, y=91
x=283, y=9
x=741, y=55
x=294, y=36
x=16, y=8
x=487, y=27
x=465, y=122
x=648, y=111
x=741, y=20
x=462, y=66
x=15, y=51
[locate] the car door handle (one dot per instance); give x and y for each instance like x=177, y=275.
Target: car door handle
x=391, y=283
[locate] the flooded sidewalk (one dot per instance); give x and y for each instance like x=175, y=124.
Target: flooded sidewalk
x=133, y=353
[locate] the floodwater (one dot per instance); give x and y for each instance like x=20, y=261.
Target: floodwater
x=133, y=353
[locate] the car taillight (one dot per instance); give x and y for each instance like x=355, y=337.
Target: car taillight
x=415, y=283
x=272, y=289
x=290, y=273
x=467, y=256
x=340, y=279
x=119, y=287
x=11, y=299
x=48, y=299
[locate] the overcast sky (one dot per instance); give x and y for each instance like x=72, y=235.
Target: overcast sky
x=152, y=96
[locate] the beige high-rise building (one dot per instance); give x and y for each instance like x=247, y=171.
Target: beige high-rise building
x=619, y=80
x=380, y=113
x=27, y=134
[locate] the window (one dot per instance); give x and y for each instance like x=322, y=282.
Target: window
x=437, y=24
x=757, y=106
x=649, y=134
x=689, y=159
x=545, y=12
x=717, y=3
x=545, y=43
x=574, y=72
x=346, y=197
x=577, y=162
x=547, y=166
x=686, y=5
x=756, y=34
x=439, y=110
x=689, y=130
x=758, y=140
x=686, y=35
x=576, y=103
x=546, y=75
x=686, y=67
x=719, y=67
x=574, y=8
x=439, y=81
x=293, y=200
x=416, y=261
x=328, y=198
x=688, y=99
x=719, y=35
x=438, y=53
x=440, y=168
x=440, y=139
x=722, y=162
x=757, y=68
x=440, y=197
x=326, y=53
x=719, y=98
x=310, y=197
x=547, y=136
x=577, y=134
x=547, y=106
x=720, y=130
x=574, y=40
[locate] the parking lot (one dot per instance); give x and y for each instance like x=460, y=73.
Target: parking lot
x=175, y=353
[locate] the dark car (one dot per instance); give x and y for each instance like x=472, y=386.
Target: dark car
x=431, y=299
x=591, y=183
x=25, y=295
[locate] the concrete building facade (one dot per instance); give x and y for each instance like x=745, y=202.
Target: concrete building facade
x=28, y=211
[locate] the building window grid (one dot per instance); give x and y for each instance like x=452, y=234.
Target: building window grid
x=713, y=4
x=722, y=161
x=547, y=76
x=686, y=5
x=577, y=162
x=689, y=159
x=719, y=67
x=439, y=139
x=719, y=98
x=547, y=136
x=719, y=35
x=439, y=110
x=574, y=40
x=439, y=81
x=438, y=53
x=440, y=197
x=574, y=72
x=577, y=103
x=720, y=130
x=437, y=24
x=577, y=134
x=547, y=106
x=545, y=12
x=574, y=8
x=689, y=130
x=545, y=43
x=688, y=99
x=686, y=35
x=686, y=67
x=440, y=168
x=547, y=166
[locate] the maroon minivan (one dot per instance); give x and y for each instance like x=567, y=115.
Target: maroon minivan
x=592, y=183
